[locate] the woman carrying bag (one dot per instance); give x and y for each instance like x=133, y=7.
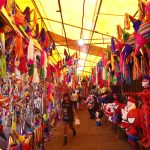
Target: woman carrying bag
x=68, y=116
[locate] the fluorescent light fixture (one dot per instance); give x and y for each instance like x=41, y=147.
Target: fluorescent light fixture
x=81, y=42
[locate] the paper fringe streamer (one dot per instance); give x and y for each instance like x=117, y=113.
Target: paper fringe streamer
x=113, y=47
x=42, y=73
x=30, y=54
x=42, y=59
x=3, y=65
x=35, y=76
x=31, y=69
x=126, y=21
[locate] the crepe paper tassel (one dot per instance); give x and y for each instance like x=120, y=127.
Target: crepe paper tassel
x=147, y=10
x=129, y=46
x=3, y=65
x=7, y=61
x=42, y=74
x=144, y=66
x=50, y=51
x=48, y=71
x=125, y=35
x=69, y=78
x=126, y=21
x=35, y=78
x=22, y=66
x=76, y=55
x=108, y=52
x=30, y=62
x=34, y=22
x=42, y=59
x=37, y=31
x=114, y=80
x=119, y=32
x=45, y=59
x=58, y=70
x=13, y=7
x=112, y=62
x=92, y=71
x=42, y=35
x=96, y=74
x=117, y=68
x=17, y=73
x=35, y=17
x=104, y=73
x=147, y=7
x=65, y=52
x=26, y=12
x=136, y=23
x=93, y=79
x=19, y=47
x=100, y=66
x=50, y=88
x=31, y=69
x=136, y=69
x=142, y=36
x=53, y=46
x=28, y=31
x=128, y=66
x=19, y=18
x=121, y=61
x=45, y=63
x=127, y=51
x=70, y=62
x=30, y=53
x=119, y=46
x=103, y=59
x=113, y=47
x=14, y=126
x=67, y=58
x=141, y=10
x=2, y=43
x=2, y=3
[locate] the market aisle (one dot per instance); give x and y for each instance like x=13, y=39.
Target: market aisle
x=89, y=137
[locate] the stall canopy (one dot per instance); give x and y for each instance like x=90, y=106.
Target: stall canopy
x=85, y=26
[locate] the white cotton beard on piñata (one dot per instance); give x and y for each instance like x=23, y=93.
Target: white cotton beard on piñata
x=30, y=55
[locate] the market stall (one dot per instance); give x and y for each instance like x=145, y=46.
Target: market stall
x=39, y=63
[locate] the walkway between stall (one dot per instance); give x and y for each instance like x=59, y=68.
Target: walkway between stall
x=89, y=137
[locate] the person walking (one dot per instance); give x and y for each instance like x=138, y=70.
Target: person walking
x=74, y=98
x=68, y=116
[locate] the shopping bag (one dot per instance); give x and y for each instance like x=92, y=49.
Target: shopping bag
x=77, y=121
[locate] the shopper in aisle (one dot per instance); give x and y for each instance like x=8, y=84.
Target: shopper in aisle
x=68, y=116
x=74, y=98
x=92, y=105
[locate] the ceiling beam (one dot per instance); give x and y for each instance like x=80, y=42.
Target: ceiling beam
x=60, y=10
x=75, y=26
x=81, y=33
x=98, y=11
x=92, y=51
x=84, y=44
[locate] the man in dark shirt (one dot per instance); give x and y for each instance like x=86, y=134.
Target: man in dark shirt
x=68, y=115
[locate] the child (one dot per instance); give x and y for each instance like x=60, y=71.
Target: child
x=68, y=114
